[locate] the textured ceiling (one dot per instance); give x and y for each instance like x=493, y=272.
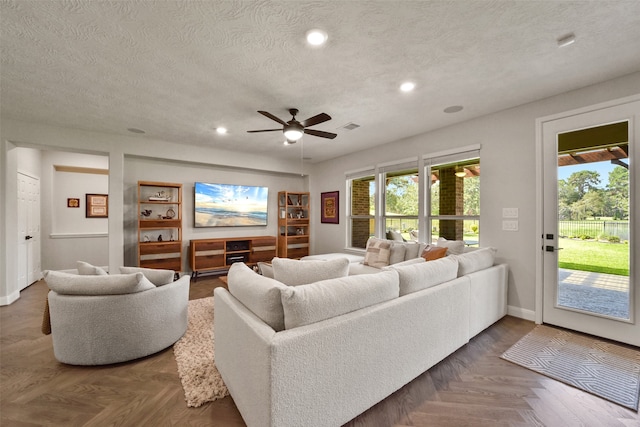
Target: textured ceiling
x=179, y=69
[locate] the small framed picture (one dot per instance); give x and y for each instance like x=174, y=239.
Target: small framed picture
x=330, y=208
x=97, y=206
x=73, y=203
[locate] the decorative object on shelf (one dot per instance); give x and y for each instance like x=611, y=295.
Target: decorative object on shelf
x=160, y=196
x=97, y=206
x=160, y=238
x=170, y=214
x=171, y=237
x=330, y=207
x=146, y=239
x=146, y=212
x=73, y=203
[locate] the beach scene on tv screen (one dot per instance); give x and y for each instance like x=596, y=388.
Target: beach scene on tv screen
x=225, y=205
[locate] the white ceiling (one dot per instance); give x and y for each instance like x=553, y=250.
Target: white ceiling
x=179, y=69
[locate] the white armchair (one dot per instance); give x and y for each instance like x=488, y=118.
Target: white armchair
x=97, y=320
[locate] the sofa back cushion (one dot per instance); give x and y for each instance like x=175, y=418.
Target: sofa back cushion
x=294, y=272
x=471, y=262
x=113, y=284
x=156, y=276
x=455, y=247
x=258, y=293
x=86, y=269
x=318, y=301
x=416, y=277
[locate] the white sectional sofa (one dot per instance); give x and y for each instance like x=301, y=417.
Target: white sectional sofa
x=322, y=353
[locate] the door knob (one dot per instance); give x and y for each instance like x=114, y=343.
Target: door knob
x=552, y=249
x=28, y=237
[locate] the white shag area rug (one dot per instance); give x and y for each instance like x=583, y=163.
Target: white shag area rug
x=194, y=355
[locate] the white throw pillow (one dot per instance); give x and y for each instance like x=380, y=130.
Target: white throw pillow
x=114, y=284
x=294, y=272
x=318, y=301
x=424, y=275
x=397, y=253
x=378, y=252
x=266, y=269
x=156, y=276
x=86, y=269
x=477, y=260
x=260, y=294
x=454, y=247
x=412, y=250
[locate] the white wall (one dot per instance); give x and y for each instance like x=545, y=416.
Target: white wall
x=144, y=169
x=67, y=235
x=15, y=134
x=508, y=162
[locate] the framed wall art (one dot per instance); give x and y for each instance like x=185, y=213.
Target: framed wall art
x=97, y=206
x=73, y=203
x=329, y=212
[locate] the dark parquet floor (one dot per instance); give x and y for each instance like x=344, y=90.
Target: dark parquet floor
x=472, y=387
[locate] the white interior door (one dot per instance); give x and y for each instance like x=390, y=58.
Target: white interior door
x=555, y=310
x=29, y=269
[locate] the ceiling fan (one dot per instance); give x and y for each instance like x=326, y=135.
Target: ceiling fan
x=294, y=129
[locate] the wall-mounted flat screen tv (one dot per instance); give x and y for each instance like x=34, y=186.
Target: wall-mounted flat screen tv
x=227, y=205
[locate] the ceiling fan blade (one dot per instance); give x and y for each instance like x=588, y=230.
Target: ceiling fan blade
x=272, y=117
x=320, y=118
x=264, y=130
x=320, y=133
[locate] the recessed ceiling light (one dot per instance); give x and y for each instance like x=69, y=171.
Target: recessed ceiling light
x=453, y=109
x=407, y=86
x=221, y=130
x=316, y=37
x=134, y=130
x=566, y=40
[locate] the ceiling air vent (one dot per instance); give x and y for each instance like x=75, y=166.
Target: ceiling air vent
x=350, y=126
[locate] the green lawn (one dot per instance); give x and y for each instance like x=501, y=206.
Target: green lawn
x=598, y=257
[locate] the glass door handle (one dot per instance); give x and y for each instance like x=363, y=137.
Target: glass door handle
x=552, y=249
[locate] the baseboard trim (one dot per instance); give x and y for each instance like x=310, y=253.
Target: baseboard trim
x=11, y=298
x=522, y=313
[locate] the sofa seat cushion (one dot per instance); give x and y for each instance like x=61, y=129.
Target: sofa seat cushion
x=470, y=262
x=417, y=277
x=353, y=258
x=360, y=268
x=258, y=293
x=295, y=272
x=322, y=300
x=113, y=284
x=156, y=276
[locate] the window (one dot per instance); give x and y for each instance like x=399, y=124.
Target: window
x=401, y=191
x=362, y=190
x=398, y=201
x=454, y=197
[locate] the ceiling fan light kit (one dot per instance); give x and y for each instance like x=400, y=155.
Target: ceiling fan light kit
x=293, y=129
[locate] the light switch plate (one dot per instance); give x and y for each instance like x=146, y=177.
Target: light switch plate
x=509, y=212
x=510, y=225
